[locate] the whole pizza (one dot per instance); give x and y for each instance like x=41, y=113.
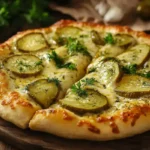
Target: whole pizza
x=77, y=80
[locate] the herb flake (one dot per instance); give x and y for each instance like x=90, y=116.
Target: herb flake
x=55, y=80
x=109, y=39
x=74, y=46
x=76, y=88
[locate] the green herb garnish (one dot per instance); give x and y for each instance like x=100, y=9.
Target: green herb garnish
x=92, y=70
x=76, y=88
x=56, y=58
x=130, y=69
x=109, y=39
x=55, y=80
x=89, y=81
x=38, y=63
x=60, y=62
x=74, y=46
x=70, y=66
x=145, y=74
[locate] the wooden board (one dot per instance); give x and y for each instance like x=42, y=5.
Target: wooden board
x=29, y=140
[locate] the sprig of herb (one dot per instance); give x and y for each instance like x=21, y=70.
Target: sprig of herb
x=130, y=69
x=109, y=39
x=74, y=46
x=145, y=74
x=55, y=80
x=92, y=70
x=89, y=81
x=76, y=88
x=60, y=62
x=69, y=65
x=56, y=58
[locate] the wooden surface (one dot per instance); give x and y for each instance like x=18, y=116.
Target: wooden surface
x=29, y=140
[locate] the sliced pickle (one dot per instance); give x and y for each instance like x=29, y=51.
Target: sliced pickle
x=43, y=92
x=94, y=102
x=23, y=64
x=96, y=38
x=124, y=40
x=32, y=42
x=136, y=55
x=146, y=70
x=110, y=51
x=109, y=71
x=133, y=86
x=68, y=31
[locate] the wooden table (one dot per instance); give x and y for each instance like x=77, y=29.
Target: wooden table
x=4, y=146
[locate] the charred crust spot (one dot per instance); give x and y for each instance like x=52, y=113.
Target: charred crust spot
x=24, y=103
x=52, y=111
x=114, y=127
x=43, y=112
x=91, y=127
x=12, y=106
x=66, y=116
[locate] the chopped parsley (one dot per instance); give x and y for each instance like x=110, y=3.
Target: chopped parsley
x=130, y=69
x=56, y=58
x=145, y=74
x=76, y=88
x=38, y=63
x=109, y=39
x=92, y=70
x=89, y=81
x=55, y=80
x=70, y=66
x=60, y=62
x=74, y=46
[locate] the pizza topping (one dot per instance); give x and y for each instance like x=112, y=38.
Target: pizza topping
x=109, y=71
x=32, y=42
x=110, y=51
x=133, y=86
x=135, y=55
x=145, y=72
x=24, y=64
x=43, y=91
x=74, y=46
x=89, y=81
x=76, y=88
x=124, y=40
x=109, y=39
x=55, y=80
x=96, y=38
x=94, y=102
x=68, y=31
x=130, y=69
x=60, y=62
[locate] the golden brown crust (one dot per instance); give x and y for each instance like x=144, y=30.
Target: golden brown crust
x=60, y=121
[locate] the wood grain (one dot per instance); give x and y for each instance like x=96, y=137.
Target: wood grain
x=4, y=146
x=30, y=140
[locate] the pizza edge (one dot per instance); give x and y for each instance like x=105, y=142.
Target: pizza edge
x=89, y=128
x=121, y=124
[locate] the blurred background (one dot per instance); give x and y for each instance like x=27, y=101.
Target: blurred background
x=19, y=15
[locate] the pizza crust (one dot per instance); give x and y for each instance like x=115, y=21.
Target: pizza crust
x=62, y=122
x=121, y=124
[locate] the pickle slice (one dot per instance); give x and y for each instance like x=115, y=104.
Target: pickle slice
x=136, y=55
x=110, y=51
x=32, y=42
x=109, y=71
x=23, y=64
x=68, y=31
x=124, y=40
x=94, y=102
x=133, y=86
x=43, y=92
x=96, y=38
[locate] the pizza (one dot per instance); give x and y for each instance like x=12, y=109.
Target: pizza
x=77, y=80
